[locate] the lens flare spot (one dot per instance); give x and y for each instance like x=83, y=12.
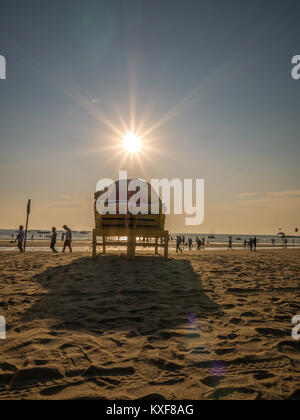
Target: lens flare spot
x=132, y=143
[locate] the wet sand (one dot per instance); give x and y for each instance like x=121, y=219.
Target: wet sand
x=85, y=245
x=202, y=325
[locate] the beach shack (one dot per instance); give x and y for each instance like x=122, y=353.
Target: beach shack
x=146, y=228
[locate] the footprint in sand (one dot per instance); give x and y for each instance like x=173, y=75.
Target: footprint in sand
x=289, y=347
x=272, y=332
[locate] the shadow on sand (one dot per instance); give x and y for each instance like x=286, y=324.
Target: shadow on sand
x=144, y=296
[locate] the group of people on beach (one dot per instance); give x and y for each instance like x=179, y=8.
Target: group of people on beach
x=250, y=244
x=66, y=238
x=180, y=240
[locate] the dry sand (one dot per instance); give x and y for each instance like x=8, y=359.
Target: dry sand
x=208, y=325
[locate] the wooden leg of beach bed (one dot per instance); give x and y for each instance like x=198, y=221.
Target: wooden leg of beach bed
x=128, y=247
x=104, y=245
x=94, y=245
x=166, y=253
x=131, y=247
x=156, y=246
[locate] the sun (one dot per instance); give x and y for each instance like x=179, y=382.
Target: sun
x=132, y=143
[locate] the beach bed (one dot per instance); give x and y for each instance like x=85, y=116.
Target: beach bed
x=128, y=230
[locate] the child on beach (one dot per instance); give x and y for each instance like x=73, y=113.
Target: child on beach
x=53, y=239
x=68, y=241
x=20, y=238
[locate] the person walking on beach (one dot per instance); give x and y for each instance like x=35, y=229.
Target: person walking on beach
x=53, y=239
x=230, y=243
x=254, y=243
x=20, y=238
x=245, y=243
x=178, y=242
x=68, y=241
x=190, y=241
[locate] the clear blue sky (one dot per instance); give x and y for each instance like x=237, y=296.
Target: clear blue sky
x=239, y=128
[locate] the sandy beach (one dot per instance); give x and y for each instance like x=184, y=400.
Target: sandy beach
x=209, y=325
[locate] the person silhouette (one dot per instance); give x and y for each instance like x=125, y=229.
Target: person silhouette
x=53, y=239
x=68, y=241
x=20, y=238
x=178, y=243
x=254, y=243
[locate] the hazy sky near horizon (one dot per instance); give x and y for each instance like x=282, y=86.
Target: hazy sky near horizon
x=217, y=75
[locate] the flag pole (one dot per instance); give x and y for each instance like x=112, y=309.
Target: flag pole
x=27, y=218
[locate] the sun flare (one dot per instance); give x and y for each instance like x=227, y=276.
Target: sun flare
x=132, y=143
